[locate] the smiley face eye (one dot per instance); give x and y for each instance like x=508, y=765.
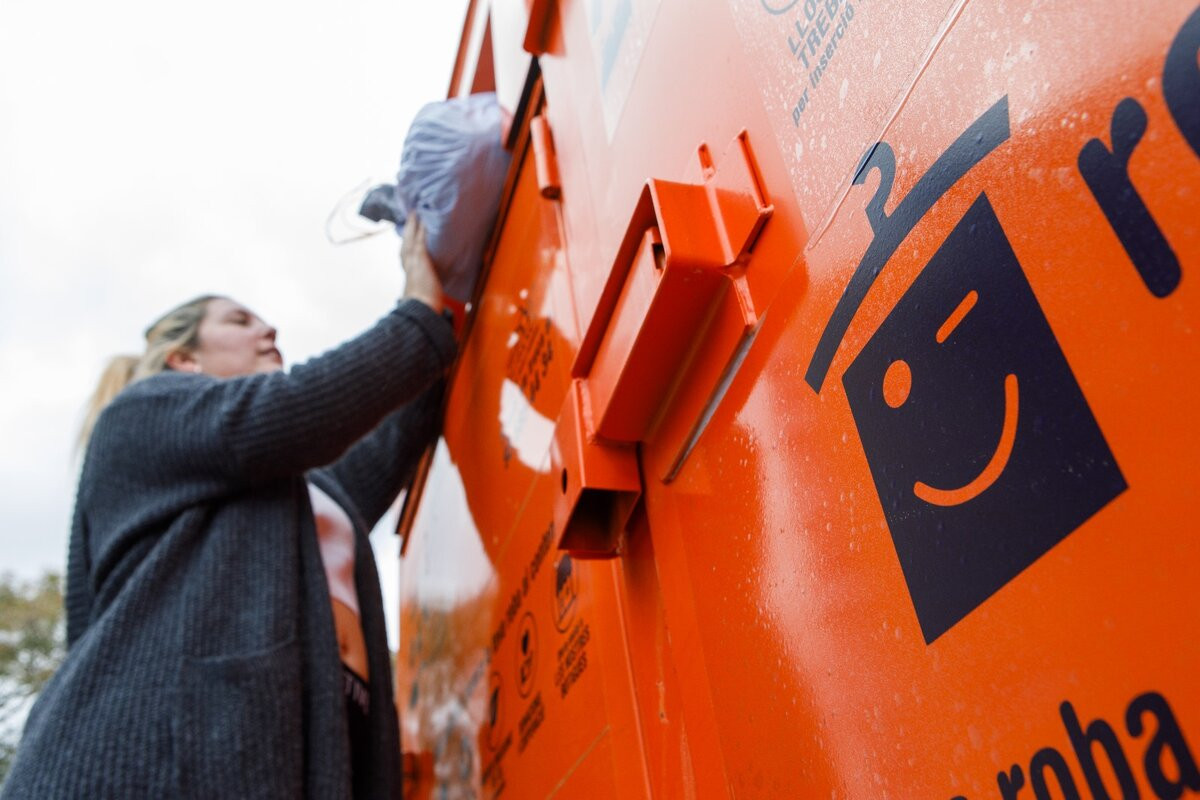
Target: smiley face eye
x=897, y=383
x=957, y=316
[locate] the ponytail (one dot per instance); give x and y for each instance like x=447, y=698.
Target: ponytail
x=178, y=329
x=115, y=377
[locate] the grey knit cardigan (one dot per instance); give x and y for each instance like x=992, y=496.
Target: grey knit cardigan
x=202, y=658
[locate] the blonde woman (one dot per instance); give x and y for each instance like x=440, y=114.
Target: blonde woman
x=225, y=628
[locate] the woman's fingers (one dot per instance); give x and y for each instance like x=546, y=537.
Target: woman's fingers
x=421, y=278
x=412, y=241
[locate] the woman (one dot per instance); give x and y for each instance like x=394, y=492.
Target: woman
x=224, y=621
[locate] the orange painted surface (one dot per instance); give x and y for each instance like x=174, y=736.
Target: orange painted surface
x=915, y=533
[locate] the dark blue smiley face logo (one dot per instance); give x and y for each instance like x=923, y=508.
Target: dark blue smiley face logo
x=981, y=445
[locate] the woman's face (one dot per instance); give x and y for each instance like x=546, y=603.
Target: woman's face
x=233, y=341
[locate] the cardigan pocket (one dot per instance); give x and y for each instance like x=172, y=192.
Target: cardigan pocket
x=239, y=725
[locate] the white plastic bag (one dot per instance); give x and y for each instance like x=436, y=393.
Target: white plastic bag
x=452, y=171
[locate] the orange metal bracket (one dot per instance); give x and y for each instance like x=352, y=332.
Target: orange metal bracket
x=685, y=246
x=599, y=483
x=545, y=162
x=535, y=33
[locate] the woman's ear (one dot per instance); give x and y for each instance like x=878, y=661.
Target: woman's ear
x=182, y=361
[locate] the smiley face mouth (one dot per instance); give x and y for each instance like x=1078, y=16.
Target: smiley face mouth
x=999, y=460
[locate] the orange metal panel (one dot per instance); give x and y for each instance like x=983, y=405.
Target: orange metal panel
x=922, y=525
x=512, y=664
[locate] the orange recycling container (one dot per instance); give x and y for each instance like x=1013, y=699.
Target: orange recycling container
x=825, y=423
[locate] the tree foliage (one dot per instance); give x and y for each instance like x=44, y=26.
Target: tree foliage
x=32, y=644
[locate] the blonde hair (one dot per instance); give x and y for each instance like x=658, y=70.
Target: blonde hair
x=176, y=331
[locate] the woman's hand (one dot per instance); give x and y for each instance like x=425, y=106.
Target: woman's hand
x=421, y=279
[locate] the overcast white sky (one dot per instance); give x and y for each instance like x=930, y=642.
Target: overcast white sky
x=154, y=151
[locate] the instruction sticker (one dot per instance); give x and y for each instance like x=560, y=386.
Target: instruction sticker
x=527, y=652
x=565, y=592
x=829, y=73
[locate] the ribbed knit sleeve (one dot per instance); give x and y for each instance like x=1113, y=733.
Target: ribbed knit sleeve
x=79, y=597
x=374, y=470
x=261, y=427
